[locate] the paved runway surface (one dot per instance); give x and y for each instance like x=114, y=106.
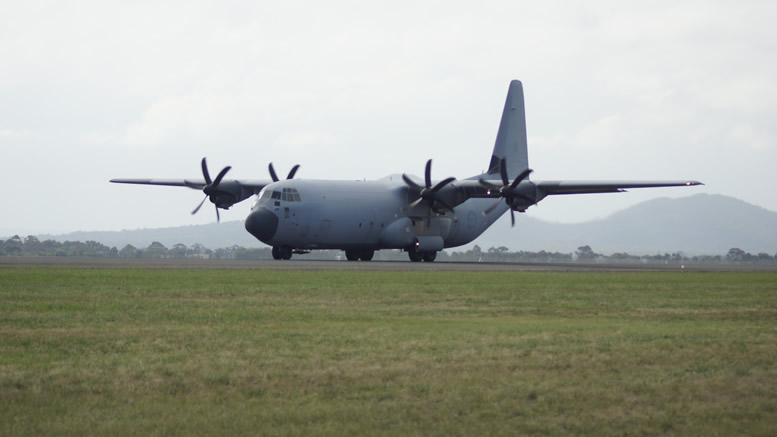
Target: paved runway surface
x=301, y=264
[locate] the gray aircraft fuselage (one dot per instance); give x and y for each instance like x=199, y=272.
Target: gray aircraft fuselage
x=360, y=215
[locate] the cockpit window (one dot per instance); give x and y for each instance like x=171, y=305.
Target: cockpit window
x=290, y=195
x=286, y=194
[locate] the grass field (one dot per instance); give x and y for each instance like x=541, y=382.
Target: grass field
x=192, y=352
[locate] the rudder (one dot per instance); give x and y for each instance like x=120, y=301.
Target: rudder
x=511, y=141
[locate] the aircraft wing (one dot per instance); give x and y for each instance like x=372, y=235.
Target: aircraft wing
x=191, y=183
x=197, y=184
x=527, y=192
x=227, y=192
x=588, y=187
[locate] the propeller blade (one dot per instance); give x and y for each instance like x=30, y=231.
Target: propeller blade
x=272, y=173
x=428, y=173
x=415, y=203
x=503, y=172
x=221, y=175
x=441, y=184
x=293, y=172
x=411, y=183
x=204, y=165
x=200, y=205
x=218, y=217
x=512, y=218
x=520, y=178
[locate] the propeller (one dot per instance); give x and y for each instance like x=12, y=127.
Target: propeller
x=507, y=190
x=211, y=187
x=428, y=193
x=274, y=176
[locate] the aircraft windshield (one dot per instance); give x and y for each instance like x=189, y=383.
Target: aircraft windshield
x=286, y=194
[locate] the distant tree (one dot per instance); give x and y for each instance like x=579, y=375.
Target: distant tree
x=198, y=251
x=155, y=250
x=178, y=251
x=585, y=253
x=623, y=256
x=52, y=247
x=736, y=254
x=32, y=245
x=14, y=245
x=128, y=251
x=95, y=248
x=254, y=253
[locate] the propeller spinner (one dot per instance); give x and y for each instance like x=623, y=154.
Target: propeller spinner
x=211, y=188
x=428, y=193
x=507, y=191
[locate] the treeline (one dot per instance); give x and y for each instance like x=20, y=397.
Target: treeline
x=587, y=254
x=32, y=246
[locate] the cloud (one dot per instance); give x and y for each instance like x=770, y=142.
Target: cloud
x=305, y=140
x=605, y=133
x=12, y=133
x=196, y=116
x=753, y=138
x=359, y=89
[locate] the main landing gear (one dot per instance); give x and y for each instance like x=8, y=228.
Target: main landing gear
x=359, y=254
x=416, y=256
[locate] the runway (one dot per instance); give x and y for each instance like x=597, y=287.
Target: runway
x=403, y=266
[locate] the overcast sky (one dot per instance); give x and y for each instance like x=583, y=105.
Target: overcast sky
x=94, y=90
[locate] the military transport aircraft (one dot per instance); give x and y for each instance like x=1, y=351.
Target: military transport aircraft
x=395, y=212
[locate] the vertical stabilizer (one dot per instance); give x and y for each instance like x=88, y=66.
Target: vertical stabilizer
x=511, y=138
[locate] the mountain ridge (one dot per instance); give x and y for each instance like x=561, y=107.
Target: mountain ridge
x=697, y=224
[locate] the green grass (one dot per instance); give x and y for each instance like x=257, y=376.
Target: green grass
x=182, y=352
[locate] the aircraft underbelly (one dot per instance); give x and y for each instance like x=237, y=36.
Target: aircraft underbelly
x=470, y=221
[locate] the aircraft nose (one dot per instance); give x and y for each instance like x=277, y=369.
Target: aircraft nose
x=262, y=224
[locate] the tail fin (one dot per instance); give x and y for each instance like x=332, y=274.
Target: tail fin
x=510, y=142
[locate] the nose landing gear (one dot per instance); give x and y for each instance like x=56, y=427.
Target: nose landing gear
x=281, y=252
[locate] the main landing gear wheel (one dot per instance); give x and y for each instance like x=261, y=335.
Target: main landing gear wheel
x=356, y=254
x=281, y=252
x=416, y=256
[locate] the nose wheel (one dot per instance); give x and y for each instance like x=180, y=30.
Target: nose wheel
x=281, y=252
